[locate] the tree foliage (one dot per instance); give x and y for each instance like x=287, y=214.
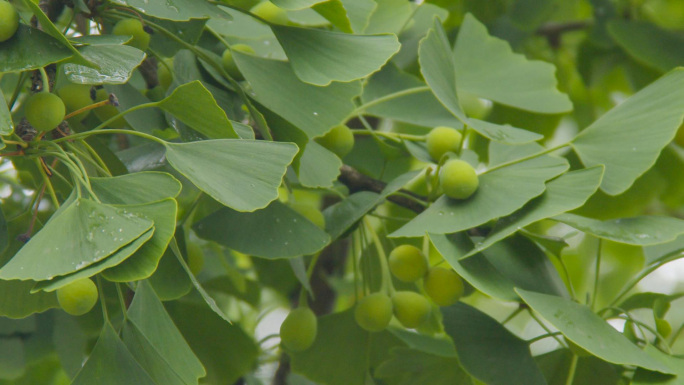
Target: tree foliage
x=437, y=192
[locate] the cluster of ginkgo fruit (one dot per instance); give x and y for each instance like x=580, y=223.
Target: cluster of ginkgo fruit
x=374, y=312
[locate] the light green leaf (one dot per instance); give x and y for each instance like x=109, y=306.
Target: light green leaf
x=435, y=345
x=145, y=260
x=145, y=120
x=359, y=13
x=119, y=256
x=657, y=48
x=503, y=133
x=6, y=124
x=586, y=329
x=342, y=341
x=154, y=325
x=487, y=350
x=590, y=370
x=421, y=108
x=18, y=53
x=645, y=377
x=409, y=367
x=567, y=192
x=53, y=31
x=241, y=174
x=81, y=234
x=500, y=193
x=296, y=4
x=136, y=188
x=110, y=363
x=178, y=10
x=629, y=138
x=312, y=109
x=389, y=16
x=116, y=64
x=515, y=262
x=318, y=167
x=438, y=67
x=170, y=281
x=641, y=231
x=487, y=67
x=335, y=13
x=320, y=57
x=18, y=302
x=109, y=39
x=194, y=105
x=225, y=350
x=283, y=233
x=150, y=358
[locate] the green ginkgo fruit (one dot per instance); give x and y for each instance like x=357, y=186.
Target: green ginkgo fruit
x=78, y=297
x=441, y=140
x=44, y=111
x=443, y=286
x=411, y=308
x=374, y=312
x=407, y=263
x=298, y=331
x=458, y=179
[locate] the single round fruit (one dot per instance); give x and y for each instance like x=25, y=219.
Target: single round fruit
x=443, y=286
x=407, y=263
x=410, y=308
x=441, y=140
x=339, y=140
x=663, y=327
x=473, y=106
x=78, y=297
x=458, y=179
x=228, y=61
x=270, y=12
x=133, y=27
x=374, y=312
x=108, y=111
x=311, y=213
x=195, y=258
x=75, y=97
x=9, y=20
x=298, y=331
x=44, y=111
x=164, y=75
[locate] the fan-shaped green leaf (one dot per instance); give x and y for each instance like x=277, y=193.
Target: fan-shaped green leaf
x=144, y=262
x=642, y=231
x=629, y=138
x=119, y=256
x=53, y=31
x=409, y=366
x=241, y=174
x=320, y=57
x=81, y=234
x=154, y=328
x=567, y=192
x=175, y=9
x=500, y=193
x=586, y=329
x=648, y=44
x=110, y=363
x=312, y=109
x=136, y=188
x=487, y=350
x=116, y=64
x=487, y=67
x=283, y=232
x=194, y=105
x=18, y=53
x=18, y=302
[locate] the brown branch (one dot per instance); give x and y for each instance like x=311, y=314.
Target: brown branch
x=357, y=181
x=553, y=31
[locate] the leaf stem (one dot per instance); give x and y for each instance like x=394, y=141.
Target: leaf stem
x=108, y=132
x=386, y=279
x=119, y=294
x=45, y=79
x=391, y=135
x=541, y=337
x=528, y=157
x=543, y=325
x=597, y=273
x=385, y=98
x=572, y=369
x=47, y=182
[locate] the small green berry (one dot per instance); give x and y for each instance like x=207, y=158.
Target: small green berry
x=44, y=111
x=78, y=297
x=374, y=312
x=407, y=263
x=9, y=20
x=228, y=61
x=410, y=308
x=133, y=27
x=443, y=286
x=339, y=140
x=441, y=140
x=458, y=179
x=298, y=331
x=270, y=12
